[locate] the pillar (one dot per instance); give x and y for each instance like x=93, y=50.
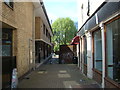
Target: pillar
x=89, y=55
x=103, y=54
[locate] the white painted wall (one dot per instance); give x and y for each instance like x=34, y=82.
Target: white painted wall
x=82, y=17
x=82, y=13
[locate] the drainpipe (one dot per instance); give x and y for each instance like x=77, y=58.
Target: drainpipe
x=33, y=37
x=29, y=54
x=103, y=54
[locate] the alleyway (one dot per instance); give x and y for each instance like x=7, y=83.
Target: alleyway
x=56, y=76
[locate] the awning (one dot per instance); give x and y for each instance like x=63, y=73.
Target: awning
x=75, y=40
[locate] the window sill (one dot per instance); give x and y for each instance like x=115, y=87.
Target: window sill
x=112, y=82
x=97, y=71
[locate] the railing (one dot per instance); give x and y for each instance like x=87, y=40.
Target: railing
x=8, y=63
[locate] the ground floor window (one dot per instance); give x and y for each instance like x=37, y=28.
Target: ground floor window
x=85, y=50
x=113, y=50
x=97, y=50
x=6, y=42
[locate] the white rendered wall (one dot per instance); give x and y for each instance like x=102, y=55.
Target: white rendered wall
x=82, y=13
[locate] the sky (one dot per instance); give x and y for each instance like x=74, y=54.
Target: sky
x=61, y=9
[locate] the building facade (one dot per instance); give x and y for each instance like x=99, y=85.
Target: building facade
x=98, y=51
x=22, y=27
x=43, y=34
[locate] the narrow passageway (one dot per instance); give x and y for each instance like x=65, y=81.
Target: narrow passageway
x=54, y=75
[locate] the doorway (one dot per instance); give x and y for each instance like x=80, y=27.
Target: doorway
x=8, y=60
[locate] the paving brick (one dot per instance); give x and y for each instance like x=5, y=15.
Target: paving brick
x=56, y=76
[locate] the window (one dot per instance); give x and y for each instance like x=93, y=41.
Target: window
x=85, y=50
x=6, y=42
x=50, y=38
x=97, y=50
x=113, y=50
x=6, y=50
x=44, y=28
x=46, y=32
x=9, y=3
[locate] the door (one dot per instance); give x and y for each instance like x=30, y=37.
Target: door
x=6, y=57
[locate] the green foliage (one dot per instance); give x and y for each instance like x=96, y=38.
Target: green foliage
x=64, y=30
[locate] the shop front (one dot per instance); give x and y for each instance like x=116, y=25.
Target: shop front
x=99, y=55
x=112, y=33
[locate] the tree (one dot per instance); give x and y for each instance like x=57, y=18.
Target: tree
x=64, y=30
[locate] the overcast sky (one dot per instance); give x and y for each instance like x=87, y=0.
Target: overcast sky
x=61, y=8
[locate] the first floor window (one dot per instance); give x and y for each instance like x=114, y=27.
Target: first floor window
x=44, y=28
x=113, y=50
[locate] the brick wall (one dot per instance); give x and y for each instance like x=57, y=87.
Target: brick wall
x=43, y=36
x=21, y=17
x=39, y=32
x=37, y=27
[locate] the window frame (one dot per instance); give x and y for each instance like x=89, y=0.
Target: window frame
x=93, y=48
x=105, y=39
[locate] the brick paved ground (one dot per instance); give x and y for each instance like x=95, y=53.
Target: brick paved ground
x=56, y=76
